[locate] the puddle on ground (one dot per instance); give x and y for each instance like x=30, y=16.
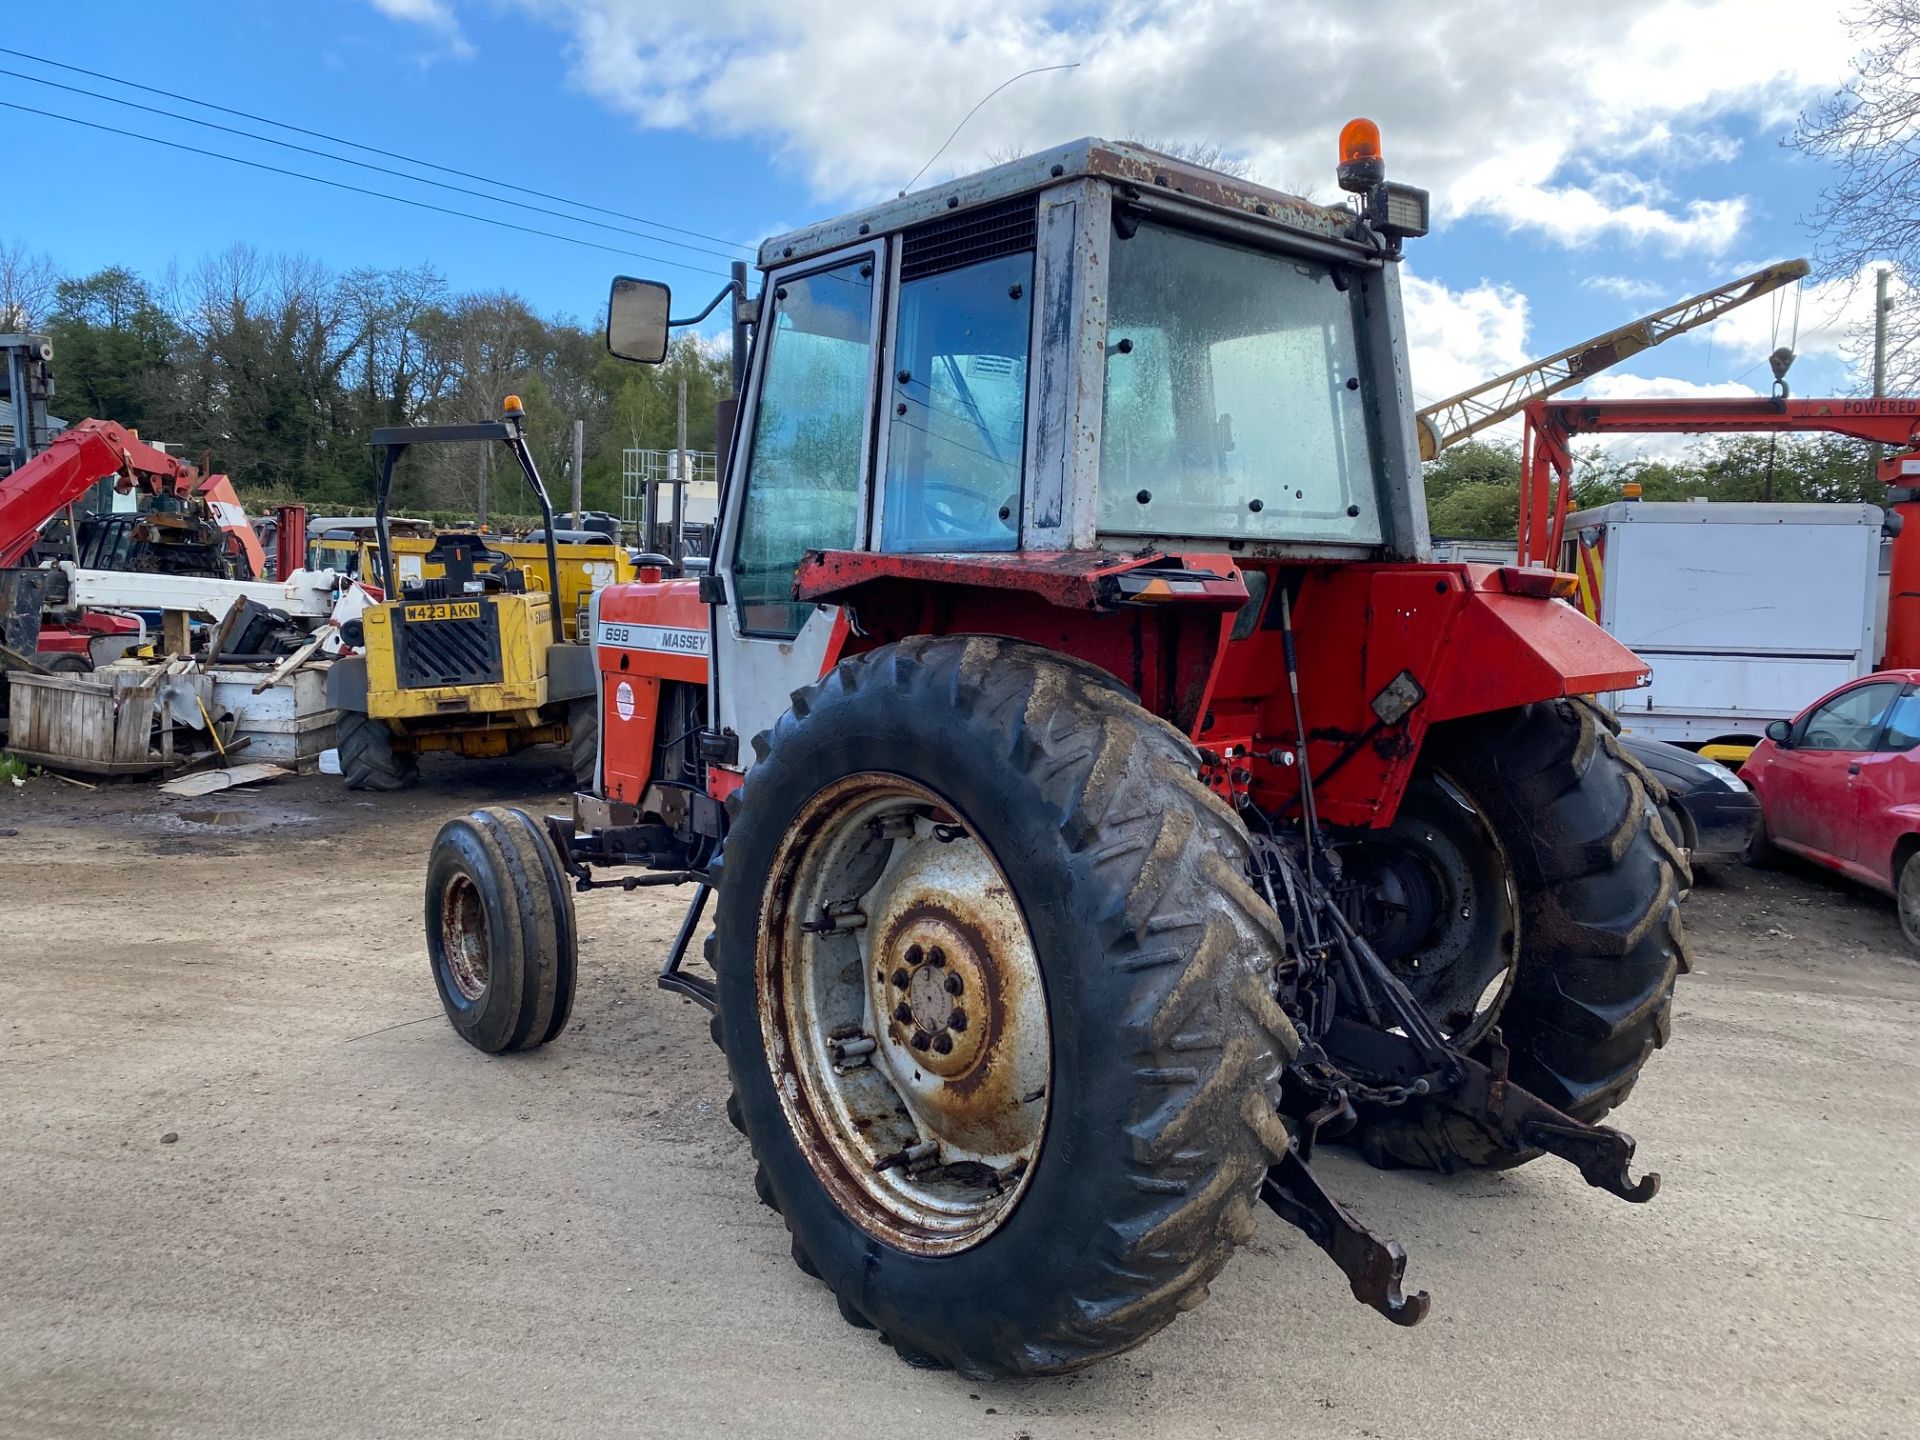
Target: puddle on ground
x=213, y=817
x=229, y=820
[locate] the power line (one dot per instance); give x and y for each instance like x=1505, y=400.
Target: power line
x=363, y=190
x=374, y=149
x=364, y=164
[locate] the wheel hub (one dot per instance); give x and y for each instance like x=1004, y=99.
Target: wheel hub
x=920, y=1094
x=463, y=929
x=1434, y=896
x=927, y=991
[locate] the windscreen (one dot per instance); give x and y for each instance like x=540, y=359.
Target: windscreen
x=1236, y=404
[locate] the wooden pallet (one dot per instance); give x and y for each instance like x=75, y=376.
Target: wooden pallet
x=80, y=722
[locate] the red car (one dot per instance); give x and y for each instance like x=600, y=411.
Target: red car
x=1840, y=785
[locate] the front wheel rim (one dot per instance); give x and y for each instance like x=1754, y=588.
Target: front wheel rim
x=463, y=939
x=904, y=1014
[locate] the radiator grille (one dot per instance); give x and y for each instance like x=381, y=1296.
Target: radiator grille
x=448, y=652
x=967, y=238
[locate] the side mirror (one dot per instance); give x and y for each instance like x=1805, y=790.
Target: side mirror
x=1779, y=731
x=637, y=320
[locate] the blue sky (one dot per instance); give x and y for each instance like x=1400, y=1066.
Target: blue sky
x=1586, y=164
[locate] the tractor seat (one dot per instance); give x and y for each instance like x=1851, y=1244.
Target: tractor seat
x=461, y=557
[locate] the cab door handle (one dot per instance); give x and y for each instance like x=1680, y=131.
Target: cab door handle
x=1854, y=768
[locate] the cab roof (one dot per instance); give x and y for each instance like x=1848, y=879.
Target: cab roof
x=1126, y=165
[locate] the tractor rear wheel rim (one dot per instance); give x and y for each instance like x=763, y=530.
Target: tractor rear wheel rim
x=463, y=932
x=905, y=1014
x=1452, y=927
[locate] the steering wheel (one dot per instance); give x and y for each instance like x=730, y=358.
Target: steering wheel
x=963, y=514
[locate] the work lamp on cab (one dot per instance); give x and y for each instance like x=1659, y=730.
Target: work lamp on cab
x=1395, y=212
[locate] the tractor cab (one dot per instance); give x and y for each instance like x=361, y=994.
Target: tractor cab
x=1098, y=355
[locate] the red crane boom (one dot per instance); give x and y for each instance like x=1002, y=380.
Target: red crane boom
x=1546, y=460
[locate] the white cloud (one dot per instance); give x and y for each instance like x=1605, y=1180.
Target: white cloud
x=1615, y=386
x=1457, y=338
x=1624, y=287
x=434, y=15
x=1553, y=119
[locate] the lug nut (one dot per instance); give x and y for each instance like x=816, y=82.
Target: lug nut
x=955, y=984
x=903, y=1012
x=943, y=1043
x=913, y=954
x=921, y=1040
x=957, y=1020
x=900, y=978
x=938, y=957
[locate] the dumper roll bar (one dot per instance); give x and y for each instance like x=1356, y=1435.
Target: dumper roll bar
x=393, y=440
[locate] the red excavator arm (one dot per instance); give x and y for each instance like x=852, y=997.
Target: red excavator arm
x=59, y=475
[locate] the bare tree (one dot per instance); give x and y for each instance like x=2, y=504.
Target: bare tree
x=27, y=285
x=1869, y=132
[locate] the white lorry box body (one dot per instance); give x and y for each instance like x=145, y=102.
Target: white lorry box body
x=1746, y=612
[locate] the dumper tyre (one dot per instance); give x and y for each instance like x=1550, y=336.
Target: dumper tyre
x=500, y=931
x=368, y=760
x=1596, y=884
x=63, y=662
x=583, y=741
x=1027, y=844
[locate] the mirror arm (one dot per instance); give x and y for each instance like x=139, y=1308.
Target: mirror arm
x=732, y=287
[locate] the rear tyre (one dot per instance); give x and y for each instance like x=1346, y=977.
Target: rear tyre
x=368, y=760
x=583, y=741
x=500, y=931
x=1596, y=881
x=1051, y=1176
x=1907, y=897
x=63, y=662
x=1761, y=853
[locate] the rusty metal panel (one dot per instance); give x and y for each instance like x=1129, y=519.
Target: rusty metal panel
x=1106, y=162
x=1383, y=340
x=1070, y=332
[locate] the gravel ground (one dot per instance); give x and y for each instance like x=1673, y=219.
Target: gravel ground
x=252, y=1185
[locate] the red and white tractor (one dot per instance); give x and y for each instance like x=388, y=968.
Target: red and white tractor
x=1102, y=797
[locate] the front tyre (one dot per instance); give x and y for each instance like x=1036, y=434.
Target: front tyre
x=996, y=1005
x=501, y=942
x=368, y=760
x=1586, y=918
x=583, y=742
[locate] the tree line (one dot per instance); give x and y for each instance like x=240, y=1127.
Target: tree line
x=277, y=369
x=1473, y=489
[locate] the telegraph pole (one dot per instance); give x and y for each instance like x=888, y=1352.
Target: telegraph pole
x=1880, y=304
x=579, y=450
x=1880, y=307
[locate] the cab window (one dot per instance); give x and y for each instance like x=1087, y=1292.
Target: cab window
x=809, y=441
x=1849, y=721
x=957, y=426
x=1903, y=723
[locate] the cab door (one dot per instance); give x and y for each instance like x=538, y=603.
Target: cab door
x=799, y=481
x=1811, y=785
x=1886, y=789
